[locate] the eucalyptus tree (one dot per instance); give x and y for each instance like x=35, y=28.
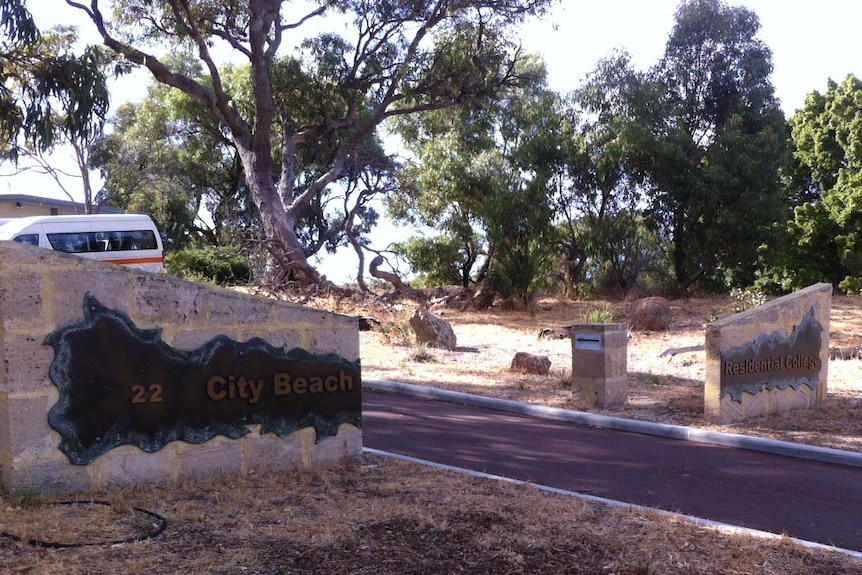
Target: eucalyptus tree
x=711, y=142
x=478, y=179
x=598, y=193
x=163, y=157
x=454, y=167
x=168, y=156
x=400, y=58
x=48, y=93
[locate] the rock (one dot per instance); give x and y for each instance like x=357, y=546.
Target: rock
x=650, y=314
x=524, y=362
x=432, y=330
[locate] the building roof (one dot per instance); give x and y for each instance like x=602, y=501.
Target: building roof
x=54, y=203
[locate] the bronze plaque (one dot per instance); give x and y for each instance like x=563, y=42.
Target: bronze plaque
x=773, y=361
x=122, y=385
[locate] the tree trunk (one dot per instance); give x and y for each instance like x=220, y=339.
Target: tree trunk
x=288, y=261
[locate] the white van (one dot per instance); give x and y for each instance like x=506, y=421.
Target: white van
x=126, y=239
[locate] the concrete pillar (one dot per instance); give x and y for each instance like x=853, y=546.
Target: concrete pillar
x=599, y=368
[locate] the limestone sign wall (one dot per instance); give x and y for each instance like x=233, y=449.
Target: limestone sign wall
x=772, y=358
x=111, y=377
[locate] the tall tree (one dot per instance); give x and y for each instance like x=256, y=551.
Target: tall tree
x=825, y=191
x=404, y=57
x=159, y=158
x=45, y=89
x=714, y=138
x=478, y=182
x=169, y=156
x=599, y=196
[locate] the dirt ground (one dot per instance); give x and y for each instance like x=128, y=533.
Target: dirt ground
x=386, y=517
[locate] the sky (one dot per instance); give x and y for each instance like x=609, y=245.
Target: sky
x=811, y=42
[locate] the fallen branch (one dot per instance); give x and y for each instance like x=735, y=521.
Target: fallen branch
x=675, y=350
x=854, y=352
x=555, y=333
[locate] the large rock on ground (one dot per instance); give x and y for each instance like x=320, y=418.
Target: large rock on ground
x=524, y=362
x=650, y=314
x=432, y=330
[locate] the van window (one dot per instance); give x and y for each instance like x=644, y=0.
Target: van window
x=82, y=242
x=32, y=239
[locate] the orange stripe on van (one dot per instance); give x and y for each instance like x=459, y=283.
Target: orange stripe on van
x=127, y=261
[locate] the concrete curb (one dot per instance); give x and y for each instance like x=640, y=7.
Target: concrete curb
x=789, y=449
x=725, y=527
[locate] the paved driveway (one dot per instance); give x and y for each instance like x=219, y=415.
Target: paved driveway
x=809, y=500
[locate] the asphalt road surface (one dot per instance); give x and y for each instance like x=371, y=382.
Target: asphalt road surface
x=809, y=500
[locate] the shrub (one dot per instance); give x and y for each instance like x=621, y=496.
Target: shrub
x=747, y=298
x=604, y=314
x=219, y=265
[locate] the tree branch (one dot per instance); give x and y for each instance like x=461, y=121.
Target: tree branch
x=165, y=75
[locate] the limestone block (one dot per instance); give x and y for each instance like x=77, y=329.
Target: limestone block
x=347, y=444
x=25, y=364
x=21, y=298
x=327, y=341
x=41, y=290
x=17, y=255
x=283, y=313
x=27, y=431
x=218, y=456
x=68, y=288
x=230, y=308
x=755, y=405
x=49, y=476
x=158, y=299
x=273, y=453
x=127, y=466
x=599, y=363
x=737, y=348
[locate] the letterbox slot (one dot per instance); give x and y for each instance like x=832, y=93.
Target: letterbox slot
x=588, y=341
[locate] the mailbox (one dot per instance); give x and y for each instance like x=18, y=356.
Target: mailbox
x=599, y=363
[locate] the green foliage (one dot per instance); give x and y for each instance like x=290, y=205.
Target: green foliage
x=46, y=89
x=747, y=298
x=167, y=157
x=443, y=260
x=823, y=238
x=475, y=164
x=709, y=141
x=519, y=228
x=210, y=264
x=305, y=129
x=603, y=314
x=28, y=499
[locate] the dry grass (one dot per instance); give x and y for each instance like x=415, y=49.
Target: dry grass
x=387, y=517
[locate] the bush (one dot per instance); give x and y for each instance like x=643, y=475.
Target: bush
x=604, y=314
x=219, y=265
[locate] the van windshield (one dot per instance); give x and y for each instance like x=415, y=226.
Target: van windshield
x=81, y=242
